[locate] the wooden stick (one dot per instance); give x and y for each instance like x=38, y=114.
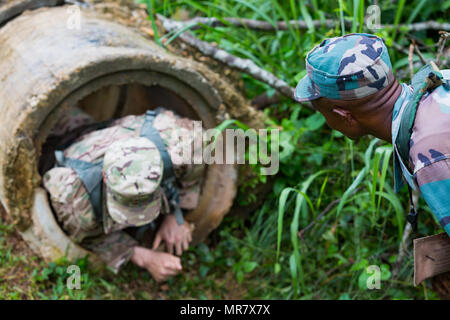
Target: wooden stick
x=422, y=58
x=441, y=45
x=299, y=24
x=410, y=60
x=263, y=100
x=327, y=209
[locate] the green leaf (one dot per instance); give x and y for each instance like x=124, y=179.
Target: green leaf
x=385, y=272
x=362, y=264
x=314, y=122
x=362, y=280
x=277, y=268
x=240, y=276
x=250, y=266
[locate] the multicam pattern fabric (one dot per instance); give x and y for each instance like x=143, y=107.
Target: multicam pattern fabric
x=71, y=203
x=114, y=248
x=176, y=132
x=348, y=67
x=429, y=163
x=132, y=172
x=66, y=189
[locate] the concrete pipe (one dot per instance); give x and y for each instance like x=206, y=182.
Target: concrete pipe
x=110, y=70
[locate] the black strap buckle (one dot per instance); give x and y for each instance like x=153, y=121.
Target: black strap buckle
x=412, y=216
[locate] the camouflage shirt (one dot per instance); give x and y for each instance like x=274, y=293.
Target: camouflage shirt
x=429, y=163
x=70, y=199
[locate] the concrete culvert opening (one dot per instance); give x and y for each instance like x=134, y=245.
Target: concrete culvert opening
x=109, y=71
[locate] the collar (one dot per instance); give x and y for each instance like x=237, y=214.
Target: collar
x=400, y=168
x=399, y=107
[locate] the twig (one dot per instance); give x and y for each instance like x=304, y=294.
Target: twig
x=244, y=65
x=259, y=25
x=327, y=209
x=324, y=212
x=410, y=60
x=262, y=101
x=399, y=48
x=441, y=45
x=422, y=58
x=299, y=24
x=403, y=250
x=331, y=271
x=256, y=24
x=403, y=246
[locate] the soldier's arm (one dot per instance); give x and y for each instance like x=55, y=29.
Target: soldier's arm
x=114, y=249
x=74, y=212
x=434, y=184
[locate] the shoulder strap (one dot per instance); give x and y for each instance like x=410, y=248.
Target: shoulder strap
x=55, y=143
x=90, y=175
x=150, y=132
x=427, y=79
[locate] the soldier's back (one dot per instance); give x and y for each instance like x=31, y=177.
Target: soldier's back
x=430, y=152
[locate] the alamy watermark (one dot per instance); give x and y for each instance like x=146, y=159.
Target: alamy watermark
x=74, y=280
x=230, y=146
x=373, y=17
x=374, y=280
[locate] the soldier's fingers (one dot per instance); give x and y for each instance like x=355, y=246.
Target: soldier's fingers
x=178, y=247
x=175, y=269
x=169, y=247
x=157, y=241
x=171, y=270
x=186, y=244
x=176, y=263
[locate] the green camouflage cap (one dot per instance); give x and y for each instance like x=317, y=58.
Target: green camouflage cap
x=132, y=172
x=345, y=68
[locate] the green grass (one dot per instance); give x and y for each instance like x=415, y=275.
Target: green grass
x=319, y=165
x=261, y=256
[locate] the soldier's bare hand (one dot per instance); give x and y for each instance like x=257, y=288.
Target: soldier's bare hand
x=176, y=237
x=161, y=265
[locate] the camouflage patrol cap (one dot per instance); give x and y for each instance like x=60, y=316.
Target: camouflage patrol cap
x=349, y=67
x=132, y=172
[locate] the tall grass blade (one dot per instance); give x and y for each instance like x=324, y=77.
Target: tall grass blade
x=398, y=16
x=341, y=17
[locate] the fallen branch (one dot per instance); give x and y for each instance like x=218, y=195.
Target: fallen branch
x=403, y=250
x=422, y=58
x=255, y=24
x=410, y=60
x=399, y=48
x=299, y=24
x=259, y=25
x=441, y=45
x=244, y=65
x=262, y=101
x=327, y=209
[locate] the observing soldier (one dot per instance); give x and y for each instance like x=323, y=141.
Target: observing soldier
x=350, y=81
x=110, y=186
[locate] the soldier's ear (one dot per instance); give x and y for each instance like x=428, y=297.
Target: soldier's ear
x=345, y=114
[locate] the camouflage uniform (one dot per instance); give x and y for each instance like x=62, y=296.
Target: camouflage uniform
x=125, y=188
x=357, y=65
x=428, y=168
